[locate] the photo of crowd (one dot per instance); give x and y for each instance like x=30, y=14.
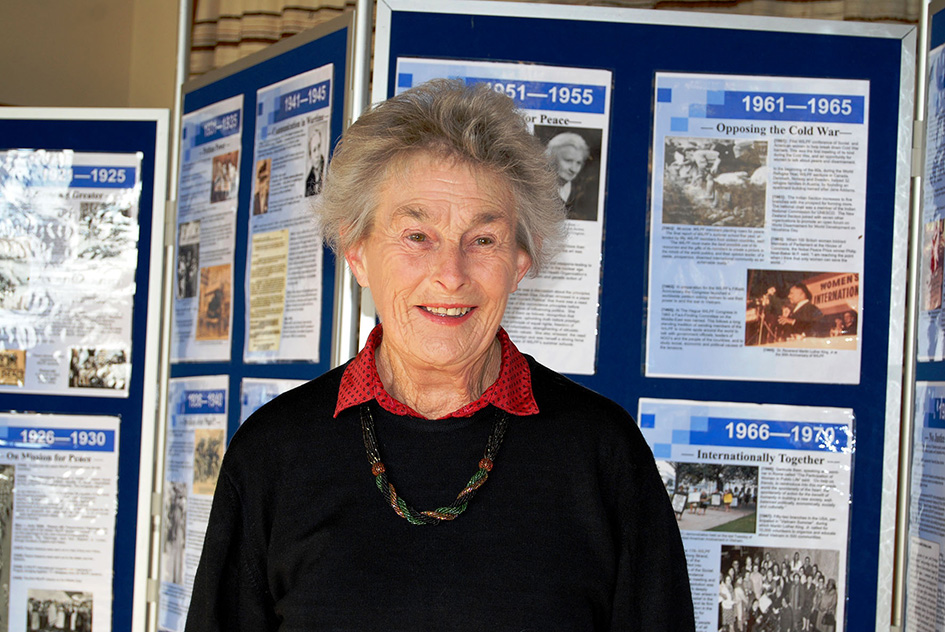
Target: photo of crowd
x=712, y=497
x=715, y=182
x=766, y=589
x=208, y=455
x=58, y=611
x=781, y=306
x=99, y=368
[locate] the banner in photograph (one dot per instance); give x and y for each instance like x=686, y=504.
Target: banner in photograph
x=758, y=210
x=284, y=264
x=58, y=505
x=554, y=315
x=68, y=257
x=206, y=232
x=762, y=498
x=194, y=446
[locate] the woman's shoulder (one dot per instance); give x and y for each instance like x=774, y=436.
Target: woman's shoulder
x=560, y=393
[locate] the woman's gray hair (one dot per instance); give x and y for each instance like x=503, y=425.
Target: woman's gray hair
x=567, y=139
x=450, y=120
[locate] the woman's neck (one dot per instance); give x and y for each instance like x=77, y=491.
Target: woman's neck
x=435, y=392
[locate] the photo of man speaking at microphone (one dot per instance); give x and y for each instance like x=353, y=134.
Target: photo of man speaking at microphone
x=810, y=309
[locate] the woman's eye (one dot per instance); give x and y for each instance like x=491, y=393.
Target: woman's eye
x=484, y=241
x=417, y=237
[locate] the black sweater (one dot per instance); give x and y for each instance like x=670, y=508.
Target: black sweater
x=573, y=530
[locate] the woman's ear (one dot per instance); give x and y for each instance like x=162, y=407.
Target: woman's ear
x=355, y=258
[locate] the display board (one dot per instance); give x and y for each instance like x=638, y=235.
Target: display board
x=82, y=208
x=253, y=288
x=735, y=269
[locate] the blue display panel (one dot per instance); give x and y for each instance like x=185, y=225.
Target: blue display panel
x=634, y=53
x=116, y=137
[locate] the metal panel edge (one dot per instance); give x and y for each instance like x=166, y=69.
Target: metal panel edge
x=899, y=304
x=650, y=16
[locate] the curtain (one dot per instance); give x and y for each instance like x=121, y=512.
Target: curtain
x=226, y=30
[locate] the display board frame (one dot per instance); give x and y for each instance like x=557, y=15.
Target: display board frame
x=117, y=130
x=632, y=45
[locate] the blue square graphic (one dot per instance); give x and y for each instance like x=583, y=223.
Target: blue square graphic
x=678, y=124
x=664, y=95
x=715, y=97
x=405, y=80
x=662, y=450
x=648, y=421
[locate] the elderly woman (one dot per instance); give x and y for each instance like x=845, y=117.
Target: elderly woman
x=551, y=512
x=568, y=152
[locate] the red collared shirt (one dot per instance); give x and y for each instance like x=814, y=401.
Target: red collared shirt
x=512, y=391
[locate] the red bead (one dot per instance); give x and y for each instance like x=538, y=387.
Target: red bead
x=485, y=464
x=377, y=469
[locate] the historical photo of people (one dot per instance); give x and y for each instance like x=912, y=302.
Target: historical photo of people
x=715, y=182
x=798, y=308
x=208, y=455
x=261, y=188
x=933, y=253
x=58, y=610
x=315, y=157
x=175, y=532
x=575, y=154
x=213, y=311
x=92, y=367
x=188, y=258
x=712, y=497
x=784, y=589
x=7, y=476
x=12, y=367
x=225, y=176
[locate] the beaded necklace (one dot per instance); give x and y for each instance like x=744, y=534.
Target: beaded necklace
x=458, y=506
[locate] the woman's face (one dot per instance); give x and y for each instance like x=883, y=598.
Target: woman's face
x=441, y=260
x=569, y=162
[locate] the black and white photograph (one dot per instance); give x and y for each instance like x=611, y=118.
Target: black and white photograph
x=783, y=589
x=261, y=190
x=96, y=367
x=712, y=497
x=715, y=182
x=7, y=478
x=575, y=154
x=225, y=176
x=106, y=230
x=58, y=610
x=785, y=308
x=188, y=258
x=213, y=312
x=315, y=158
x=208, y=455
x=175, y=532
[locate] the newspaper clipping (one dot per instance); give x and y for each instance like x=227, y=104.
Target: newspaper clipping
x=553, y=316
x=761, y=495
x=196, y=440
x=757, y=220
x=58, y=500
x=256, y=391
x=925, y=583
x=284, y=266
x=68, y=256
x=206, y=232
x=930, y=331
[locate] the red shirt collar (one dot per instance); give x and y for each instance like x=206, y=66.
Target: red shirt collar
x=512, y=392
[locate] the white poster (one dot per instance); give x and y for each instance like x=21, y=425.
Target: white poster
x=284, y=264
x=762, y=499
x=194, y=446
x=256, y=391
x=553, y=316
x=930, y=331
x=925, y=585
x=758, y=213
x=206, y=232
x=58, y=504
x=68, y=256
